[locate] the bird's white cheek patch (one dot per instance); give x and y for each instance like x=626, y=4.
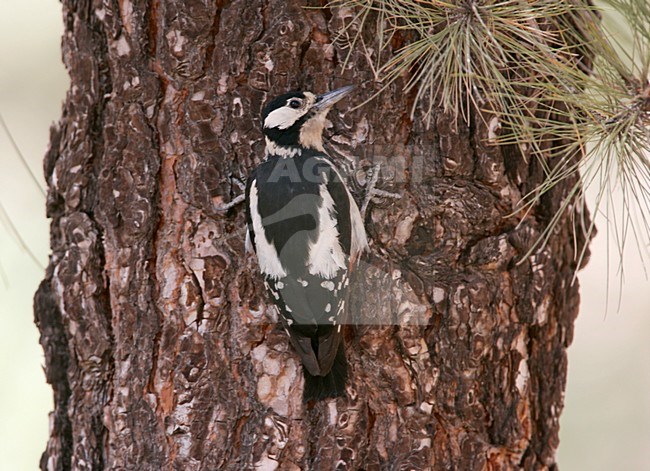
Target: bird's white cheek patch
x=282, y=118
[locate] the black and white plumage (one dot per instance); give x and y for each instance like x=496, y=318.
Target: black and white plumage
x=307, y=233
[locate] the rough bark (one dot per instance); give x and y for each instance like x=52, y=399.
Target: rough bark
x=160, y=343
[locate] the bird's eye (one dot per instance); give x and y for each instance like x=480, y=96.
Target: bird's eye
x=295, y=104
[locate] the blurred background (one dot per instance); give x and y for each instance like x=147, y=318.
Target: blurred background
x=606, y=421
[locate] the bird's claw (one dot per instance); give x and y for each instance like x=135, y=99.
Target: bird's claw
x=372, y=190
x=236, y=200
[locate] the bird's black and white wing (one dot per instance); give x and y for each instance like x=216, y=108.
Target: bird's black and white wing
x=307, y=233
x=305, y=236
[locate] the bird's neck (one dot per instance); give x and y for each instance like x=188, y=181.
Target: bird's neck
x=294, y=150
x=311, y=133
x=272, y=148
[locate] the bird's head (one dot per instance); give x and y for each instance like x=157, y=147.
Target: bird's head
x=296, y=120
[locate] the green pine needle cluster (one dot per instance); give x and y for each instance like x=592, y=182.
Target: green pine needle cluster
x=417, y=57
x=523, y=63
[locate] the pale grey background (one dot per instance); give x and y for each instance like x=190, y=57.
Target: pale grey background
x=606, y=422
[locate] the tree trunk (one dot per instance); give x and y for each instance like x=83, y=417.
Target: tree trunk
x=160, y=343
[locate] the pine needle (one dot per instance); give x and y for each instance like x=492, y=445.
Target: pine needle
x=523, y=62
x=20, y=155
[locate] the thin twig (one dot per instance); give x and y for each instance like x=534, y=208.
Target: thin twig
x=20, y=155
x=237, y=200
x=12, y=228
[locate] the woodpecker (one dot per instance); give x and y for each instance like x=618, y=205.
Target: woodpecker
x=307, y=233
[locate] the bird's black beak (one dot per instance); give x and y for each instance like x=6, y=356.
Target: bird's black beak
x=326, y=100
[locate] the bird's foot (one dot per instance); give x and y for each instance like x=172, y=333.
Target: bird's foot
x=373, y=191
x=236, y=200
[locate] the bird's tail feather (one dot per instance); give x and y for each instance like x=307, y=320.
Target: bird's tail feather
x=330, y=385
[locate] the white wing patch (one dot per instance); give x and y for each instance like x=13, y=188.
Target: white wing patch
x=328, y=285
x=359, y=242
x=267, y=256
x=325, y=254
x=248, y=247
